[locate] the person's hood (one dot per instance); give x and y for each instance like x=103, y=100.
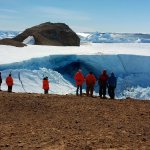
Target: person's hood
x=104, y=72
x=112, y=74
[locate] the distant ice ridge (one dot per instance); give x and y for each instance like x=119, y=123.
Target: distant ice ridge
x=8, y=34
x=97, y=37
x=94, y=37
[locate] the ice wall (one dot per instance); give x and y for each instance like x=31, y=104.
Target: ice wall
x=132, y=72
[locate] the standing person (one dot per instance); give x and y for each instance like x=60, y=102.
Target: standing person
x=112, y=82
x=79, y=78
x=0, y=81
x=90, y=82
x=45, y=85
x=9, y=82
x=103, y=84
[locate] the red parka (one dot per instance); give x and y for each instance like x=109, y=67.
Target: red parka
x=9, y=81
x=103, y=78
x=45, y=84
x=90, y=79
x=79, y=78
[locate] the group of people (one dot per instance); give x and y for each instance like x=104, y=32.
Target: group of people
x=10, y=82
x=104, y=82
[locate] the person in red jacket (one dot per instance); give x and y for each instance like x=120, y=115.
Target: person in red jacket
x=79, y=78
x=90, y=82
x=0, y=81
x=45, y=85
x=103, y=78
x=9, y=82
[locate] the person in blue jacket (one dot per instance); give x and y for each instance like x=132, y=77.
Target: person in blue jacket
x=112, y=82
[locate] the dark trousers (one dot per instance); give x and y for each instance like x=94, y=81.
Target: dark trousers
x=45, y=91
x=89, y=90
x=79, y=87
x=102, y=91
x=9, y=88
x=111, y=92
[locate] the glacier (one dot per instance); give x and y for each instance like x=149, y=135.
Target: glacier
x=8, y=34
x=126, y=54
x=129, y=61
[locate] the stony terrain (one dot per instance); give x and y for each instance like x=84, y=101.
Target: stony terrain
x=52, y=122
x=56, y=34
x=11, y=42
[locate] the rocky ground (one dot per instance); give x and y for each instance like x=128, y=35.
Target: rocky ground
x=52, y=122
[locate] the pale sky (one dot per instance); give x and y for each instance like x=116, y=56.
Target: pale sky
x=81, y=15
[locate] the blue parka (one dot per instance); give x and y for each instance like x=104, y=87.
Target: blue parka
x=112, y=81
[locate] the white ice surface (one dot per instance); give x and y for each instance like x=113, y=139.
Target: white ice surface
x=10, y=54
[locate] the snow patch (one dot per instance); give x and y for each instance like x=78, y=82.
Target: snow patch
x=29, y=40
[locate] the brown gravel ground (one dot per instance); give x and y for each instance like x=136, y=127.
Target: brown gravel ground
x=53, y=122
